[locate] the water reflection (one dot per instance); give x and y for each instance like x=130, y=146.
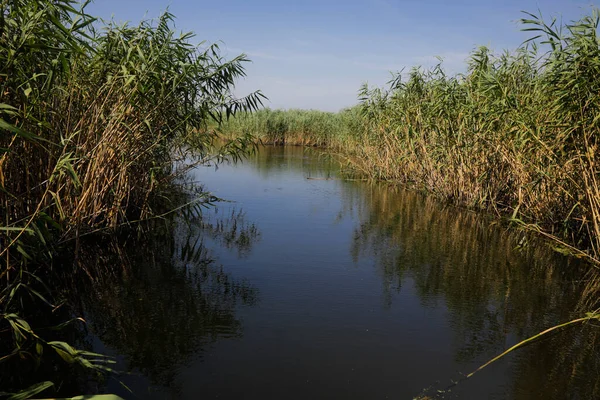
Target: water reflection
x=229, y=230
x=270, y=161
x=493, y=293
x=561, y=366
x=173, y=298
x=366, y=291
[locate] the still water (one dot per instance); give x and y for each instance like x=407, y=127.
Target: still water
x=304, y=285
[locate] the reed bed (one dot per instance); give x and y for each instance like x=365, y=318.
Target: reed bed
x=517, y=134
x=296, y=127
x=91, y=114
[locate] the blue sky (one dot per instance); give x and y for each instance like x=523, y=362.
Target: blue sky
x=317, y=53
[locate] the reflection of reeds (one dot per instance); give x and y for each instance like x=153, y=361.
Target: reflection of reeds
x=564, y=365
x=175, y=298
x=231, y=231
x=156, y=296
x=494, y=292
x=499, y=285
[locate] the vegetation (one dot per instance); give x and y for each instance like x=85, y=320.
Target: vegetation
x=93, y=117
x=90, y=120
x=516, y=135
x=297, y=127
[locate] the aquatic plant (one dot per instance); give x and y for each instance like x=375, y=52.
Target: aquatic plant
x=515, y=135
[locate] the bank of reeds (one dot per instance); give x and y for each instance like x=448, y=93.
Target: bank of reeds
x=517, y=134
x=297, y=127
x=90, y=114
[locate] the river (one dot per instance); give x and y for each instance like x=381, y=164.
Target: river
x=304, y=285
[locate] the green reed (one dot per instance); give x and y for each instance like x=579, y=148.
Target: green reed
x=91, y=115
x=517, y=134
x=296, y=127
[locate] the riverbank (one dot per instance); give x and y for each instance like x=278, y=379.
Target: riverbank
x=517, y=135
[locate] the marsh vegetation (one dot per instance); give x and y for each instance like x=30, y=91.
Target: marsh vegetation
x=102, y=226
x=516, y=135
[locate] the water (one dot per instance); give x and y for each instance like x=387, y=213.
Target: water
x=306, y=285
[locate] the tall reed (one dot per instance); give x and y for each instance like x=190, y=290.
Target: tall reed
x=89, y=120
x=297, y=127
x=517, y=134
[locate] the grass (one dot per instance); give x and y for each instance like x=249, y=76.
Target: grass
x=516, y=135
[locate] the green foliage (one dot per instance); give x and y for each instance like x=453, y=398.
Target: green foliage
x=31, y=391
x=517, y=134
x=77, y=105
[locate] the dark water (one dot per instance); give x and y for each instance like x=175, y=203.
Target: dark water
x=307, y=286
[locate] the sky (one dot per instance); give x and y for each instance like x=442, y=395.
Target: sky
x=315, y=54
